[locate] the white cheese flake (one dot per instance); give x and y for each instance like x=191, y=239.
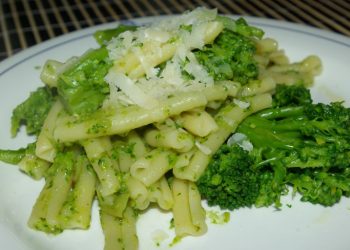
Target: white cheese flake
x=241, y=140
x=143, y=84
x=171, y=74
x=130, y=89
x=197, y=70
x=205, y=150
x=241, y=104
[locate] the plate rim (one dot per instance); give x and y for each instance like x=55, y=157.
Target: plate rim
x=37, y=49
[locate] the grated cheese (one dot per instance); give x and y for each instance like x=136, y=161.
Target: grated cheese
x=204, y=149
x=145, y=44
x=132, y=91
x=241, y=140
x=241, y=104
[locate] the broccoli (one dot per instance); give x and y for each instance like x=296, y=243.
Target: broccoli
x=231, y=56
x=232, y=180
x=320, y=186
x=295, y=143
x=102, y=37
x=32, y=112
x=27, y=161
x=82, y=87
x=12, y=156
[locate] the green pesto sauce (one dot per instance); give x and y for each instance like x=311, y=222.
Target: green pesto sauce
x=216, y=217
x=101, y=127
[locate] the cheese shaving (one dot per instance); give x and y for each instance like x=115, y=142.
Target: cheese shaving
x=204, y=149
x=241, y=104
x=143, y=84
x=130, y=89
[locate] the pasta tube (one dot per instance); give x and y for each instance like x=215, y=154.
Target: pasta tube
x=139, y=194
x=153, y=166
x=198, y=122
x=128, y=151
x=126, y=119
x=189, y=215
x=170, y=137
x=45, y=145
x=160, y=193
x=113, y=204
x=120, y=233
x=98, y=150
x=227, y=119
x=45, y=214
x=76, y=211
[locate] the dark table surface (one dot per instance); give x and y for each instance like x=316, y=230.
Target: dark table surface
x=24, y=23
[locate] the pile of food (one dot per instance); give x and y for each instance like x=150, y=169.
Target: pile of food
x=198, y=106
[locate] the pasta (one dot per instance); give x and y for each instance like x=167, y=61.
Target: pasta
x=45, y=148
x=163, y=117
x=97, y=152
x=189, y=216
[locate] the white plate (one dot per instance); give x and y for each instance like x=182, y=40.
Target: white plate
x=303, y=226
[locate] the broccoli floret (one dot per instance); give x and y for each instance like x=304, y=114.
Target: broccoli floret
x=229, y=181
x=232, y=180
x=312, y=141
x=293, y=95
x=325, y=187
x=231, y=56
x=32, y=112
x=295, y=143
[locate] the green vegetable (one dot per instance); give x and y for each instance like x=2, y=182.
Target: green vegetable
x=104, y=36
x=82, y=87
x=232, y=181
x=32, y=112
x=12, y=156
x=231, y=56
x=218, y=217
x=27, y=161
x=241, y=27
x=302, y=144
x=293, y=95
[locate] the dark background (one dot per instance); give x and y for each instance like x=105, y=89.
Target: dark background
x=24, y=23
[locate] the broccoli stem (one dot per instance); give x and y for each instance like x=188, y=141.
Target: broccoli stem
x=12, y=156
x=275, y=113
